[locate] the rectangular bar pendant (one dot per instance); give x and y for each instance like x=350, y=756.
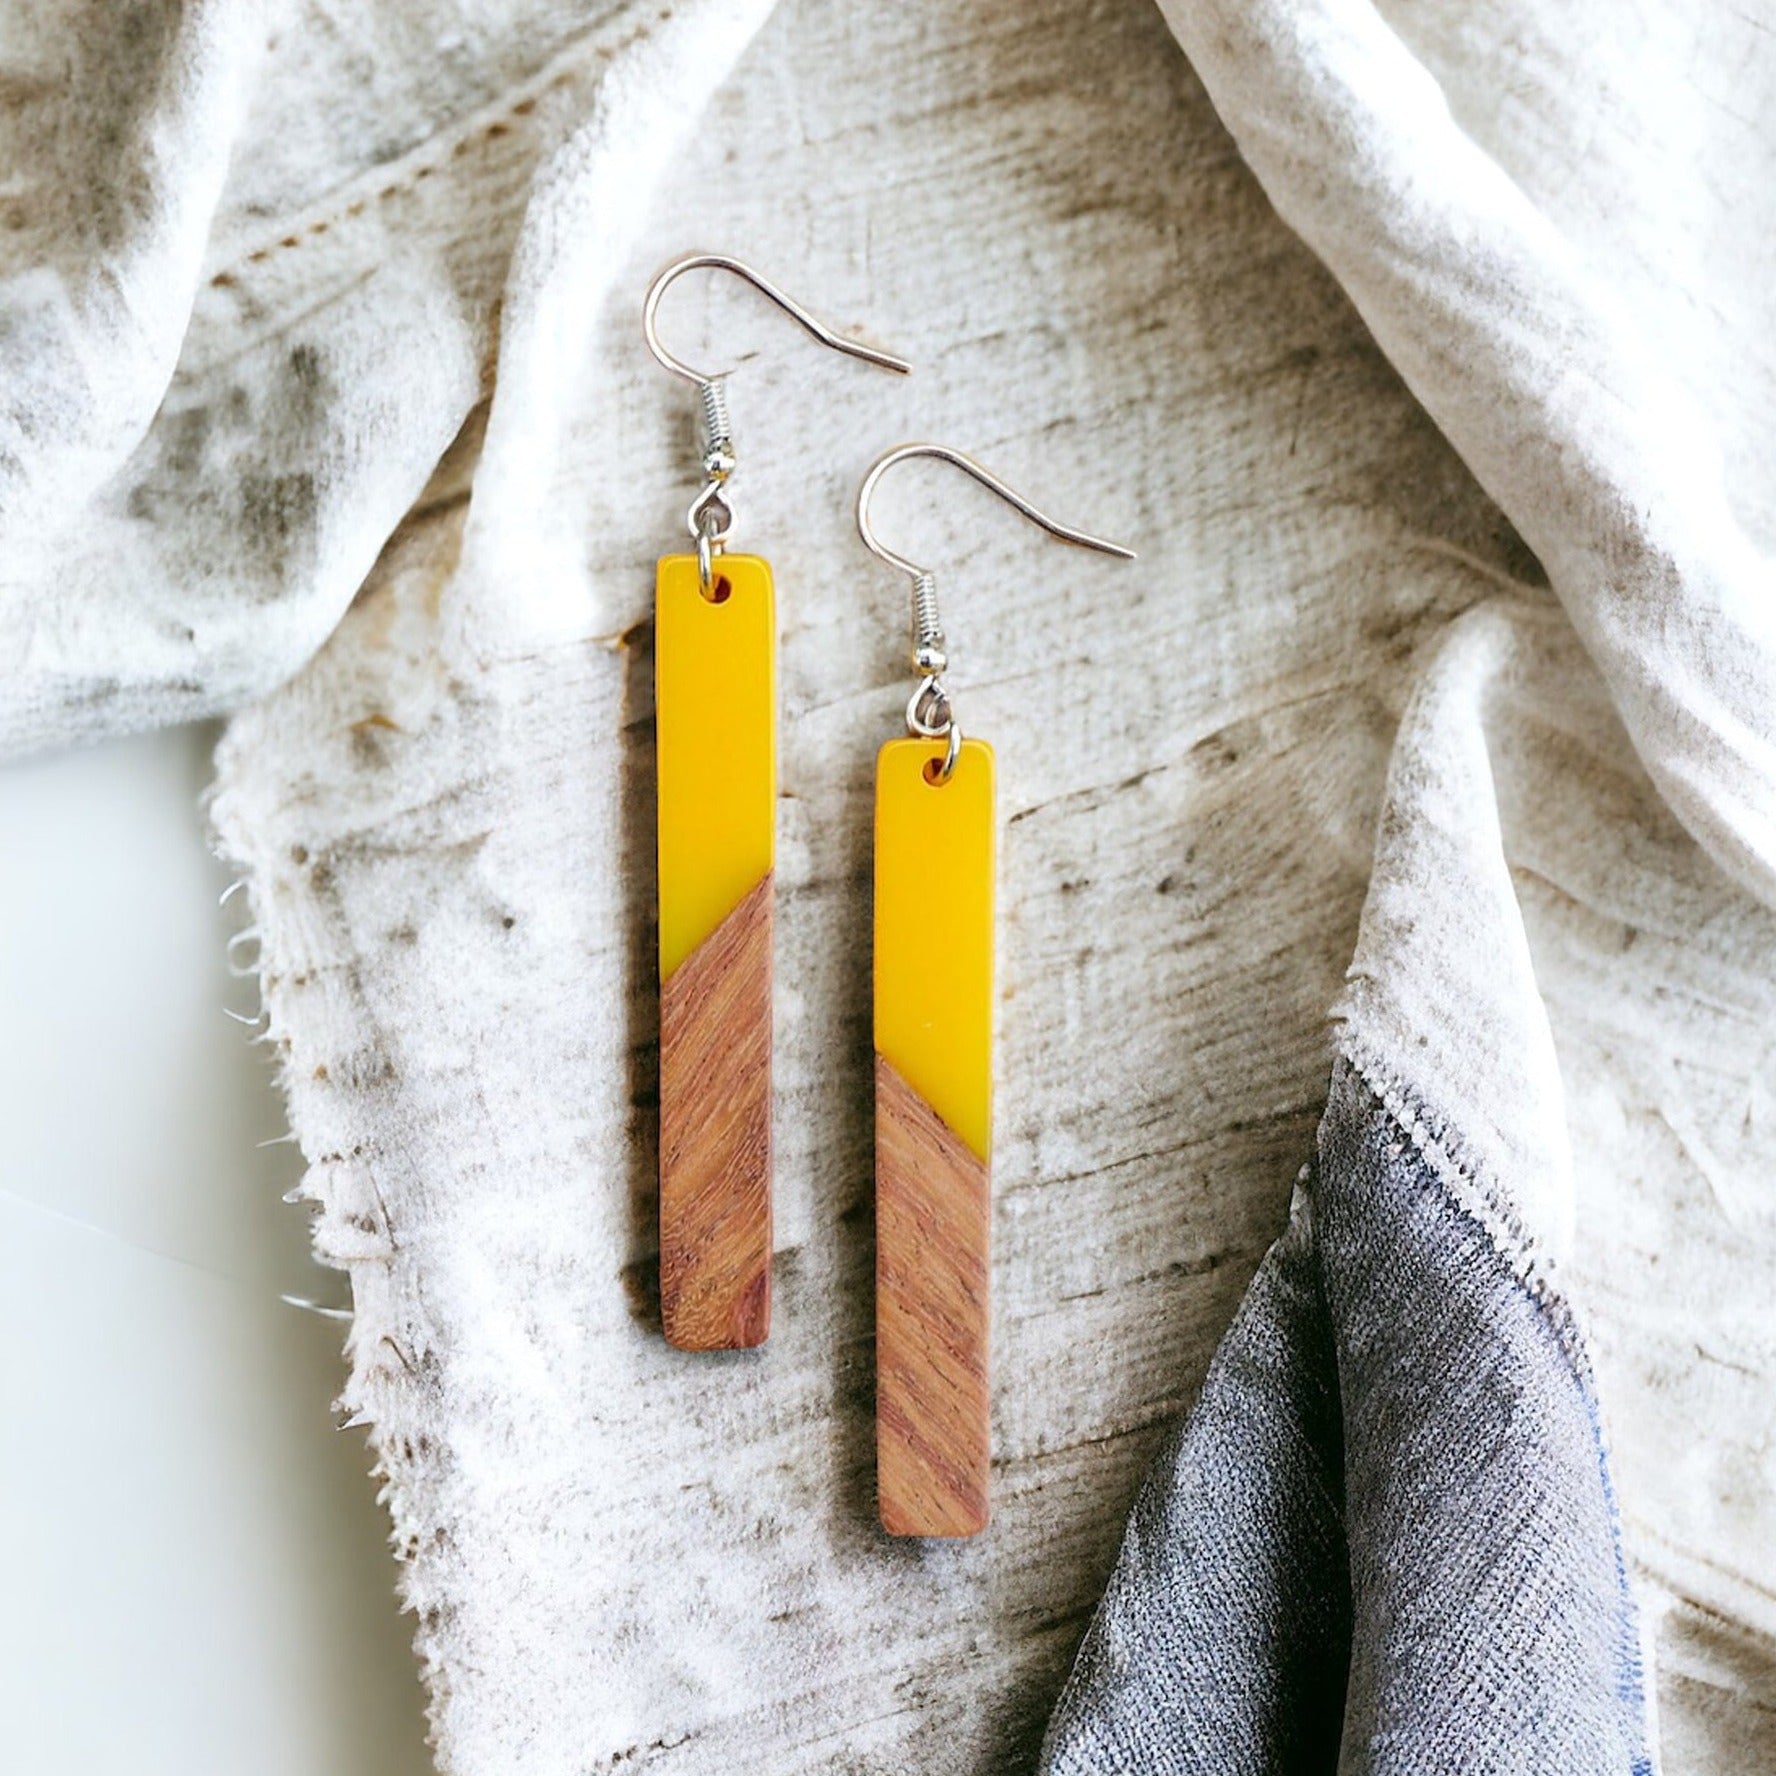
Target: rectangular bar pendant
x=716, y=739
x=934, y=1112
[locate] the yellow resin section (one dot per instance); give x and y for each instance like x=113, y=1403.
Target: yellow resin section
x=934, y=930
x=715, y=712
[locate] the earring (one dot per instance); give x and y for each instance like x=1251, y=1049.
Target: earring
x=934, y=1071
x=715, y=646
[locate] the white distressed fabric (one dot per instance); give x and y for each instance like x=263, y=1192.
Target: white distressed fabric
x=322, y=402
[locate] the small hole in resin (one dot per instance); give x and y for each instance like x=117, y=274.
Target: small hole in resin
x=721, y=591
x=934, y=773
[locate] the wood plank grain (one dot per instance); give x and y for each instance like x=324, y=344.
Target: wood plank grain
x=715, y=1135
x=932, y=1217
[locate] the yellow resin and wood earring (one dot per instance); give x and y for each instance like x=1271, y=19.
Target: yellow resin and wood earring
x=715, y=650
x=934, y=1073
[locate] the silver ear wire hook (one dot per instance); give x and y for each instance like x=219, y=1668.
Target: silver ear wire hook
x=711, y=517
x=721, y=262
x=930, y=711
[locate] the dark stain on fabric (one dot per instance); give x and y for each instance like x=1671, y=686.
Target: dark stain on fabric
x=186, y=434
x=306, y=380
x=370, y=1065
x=276, y=509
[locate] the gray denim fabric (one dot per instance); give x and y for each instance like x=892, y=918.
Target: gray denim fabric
x=1385, y=1539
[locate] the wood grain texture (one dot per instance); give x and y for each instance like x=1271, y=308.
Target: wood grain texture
x=715, y=1135
x=933, y=1212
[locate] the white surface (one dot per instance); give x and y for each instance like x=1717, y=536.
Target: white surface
x=195, y=1571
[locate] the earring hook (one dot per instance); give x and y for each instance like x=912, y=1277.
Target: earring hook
x=810, y=324
x=930, y=711
x=943, y=453
x=711, y=517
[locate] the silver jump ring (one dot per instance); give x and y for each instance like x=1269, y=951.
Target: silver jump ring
x=929, y=715
x=711, y=519
x=951, y=753
x=711, y=513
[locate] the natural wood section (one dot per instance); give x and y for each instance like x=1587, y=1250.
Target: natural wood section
x=715, y=1135
x=932, y=1215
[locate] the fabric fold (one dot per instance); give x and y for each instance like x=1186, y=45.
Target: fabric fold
x=1489, y=1616
x=1223, y=1639
x=1560, y=403
x=1453, y=1548
x=1386, y=1539
x=219, y=409
x=97, y=274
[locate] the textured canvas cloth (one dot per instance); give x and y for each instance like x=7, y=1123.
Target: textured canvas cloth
x=1387, y=1537
x=322, y=404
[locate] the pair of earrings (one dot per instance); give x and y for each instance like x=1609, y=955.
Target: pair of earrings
x=715, y=712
